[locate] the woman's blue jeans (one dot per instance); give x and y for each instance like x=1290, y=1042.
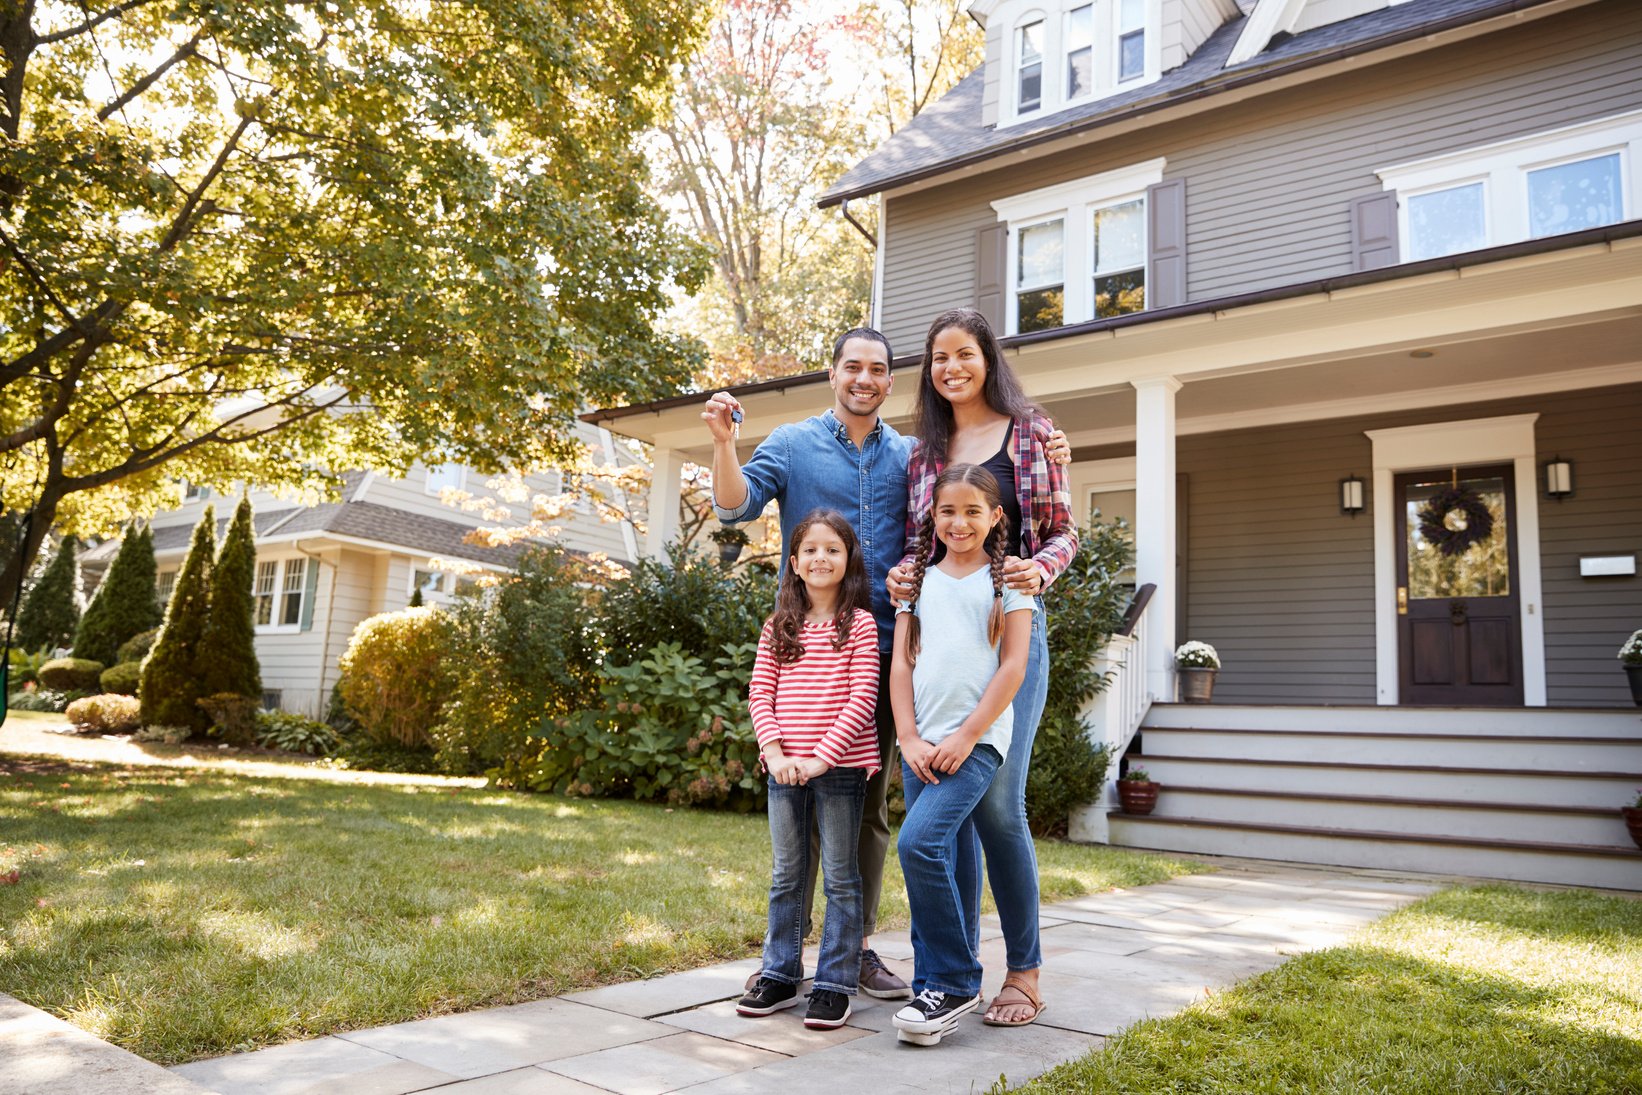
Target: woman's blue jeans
x=945, y=953
x=998, y=825
x=832, y=804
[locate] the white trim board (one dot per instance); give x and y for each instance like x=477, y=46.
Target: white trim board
x=1477, y=441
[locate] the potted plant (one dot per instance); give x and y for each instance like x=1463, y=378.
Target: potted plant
x=730, y=541
x=1633, y=814
x=1630, y=656
x=1136, y=792
x=1197, y=663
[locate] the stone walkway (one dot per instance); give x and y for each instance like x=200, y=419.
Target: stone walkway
x=1109, y=959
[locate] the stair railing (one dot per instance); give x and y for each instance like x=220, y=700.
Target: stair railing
x=1113, y=715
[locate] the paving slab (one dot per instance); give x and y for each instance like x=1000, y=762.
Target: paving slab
x=665, y=1064
x=521, y=1081
x=673, y=992
x=302, y=1067
x=41, y=1054
x=783, y=1032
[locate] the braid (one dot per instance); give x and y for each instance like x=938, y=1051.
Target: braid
x=922, y=552
x=997, y=548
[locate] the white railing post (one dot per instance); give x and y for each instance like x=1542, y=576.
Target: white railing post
x=1113, y=716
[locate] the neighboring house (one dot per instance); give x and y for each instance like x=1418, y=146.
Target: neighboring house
x=1285, y=272
x=322, y=569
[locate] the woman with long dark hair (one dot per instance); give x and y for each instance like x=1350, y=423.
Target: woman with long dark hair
x=971, y=409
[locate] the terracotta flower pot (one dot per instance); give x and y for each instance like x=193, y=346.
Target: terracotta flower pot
x=1196, y=685
x=1633, y=821
x=1138, y=796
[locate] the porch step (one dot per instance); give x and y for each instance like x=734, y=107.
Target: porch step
x=1557, y=722
x=1601, y=867
x=1520, y=751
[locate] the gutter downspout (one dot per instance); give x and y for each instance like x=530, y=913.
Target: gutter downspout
x=877, y=265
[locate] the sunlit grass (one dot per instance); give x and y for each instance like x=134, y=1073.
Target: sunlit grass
x=1489, y=989
x=190, y=913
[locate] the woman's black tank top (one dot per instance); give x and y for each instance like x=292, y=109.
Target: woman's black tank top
x=1003, y=470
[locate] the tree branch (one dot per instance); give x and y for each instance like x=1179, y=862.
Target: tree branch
x=90, y=24
x=188, y=49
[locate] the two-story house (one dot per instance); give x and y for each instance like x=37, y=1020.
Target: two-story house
x=322, y=569
x=1292, y=275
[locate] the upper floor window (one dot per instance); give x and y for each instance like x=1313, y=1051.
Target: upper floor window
x=1075, y=51
x=1080, y=51
x=1546, y=184
x=443, y=476
x=1029, y=73
x=1078, y=250
x=1131, y=40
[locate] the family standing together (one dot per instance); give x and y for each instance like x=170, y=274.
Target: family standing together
x=909, y=615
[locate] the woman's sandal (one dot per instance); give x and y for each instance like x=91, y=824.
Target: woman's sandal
x=1027, y=997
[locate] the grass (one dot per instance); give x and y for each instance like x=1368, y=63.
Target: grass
x=1488, y=989
x=189, y=913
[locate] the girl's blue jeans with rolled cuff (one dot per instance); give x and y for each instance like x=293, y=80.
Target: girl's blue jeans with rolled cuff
x=998, y=825
x=832, y=803
x=945, y=925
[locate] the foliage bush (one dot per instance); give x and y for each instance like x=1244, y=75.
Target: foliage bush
x=233, y=717
x=51, y=610
x=170, y=735
x=106, y=714
x=71, y=674
x=122, y=679
x=24, y=666
x=395, y=675
x=169, y=686
x=43, y=699
x=1085, y=606
x=688, y=600
x=123, y=605
x=294, y=733
x=670, y=727
x=136, y=648
x=226, y=660
x=357, y=753
x=528, y=649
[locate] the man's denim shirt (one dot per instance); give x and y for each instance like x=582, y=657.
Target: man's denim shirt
x=812, y=465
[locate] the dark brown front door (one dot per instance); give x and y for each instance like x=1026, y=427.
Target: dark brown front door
x=1459, y=635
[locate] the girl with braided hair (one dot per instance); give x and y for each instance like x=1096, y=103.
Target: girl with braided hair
x=960, y=654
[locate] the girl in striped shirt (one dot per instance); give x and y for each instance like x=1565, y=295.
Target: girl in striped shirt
x=814, y=689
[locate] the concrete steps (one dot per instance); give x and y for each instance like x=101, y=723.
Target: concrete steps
x=1522, y=795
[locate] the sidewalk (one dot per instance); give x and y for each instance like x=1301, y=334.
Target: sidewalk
x=1109, y=960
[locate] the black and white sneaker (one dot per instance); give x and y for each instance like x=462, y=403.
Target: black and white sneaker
x=768, y=995
x=932, y=1015
x=827, y=1010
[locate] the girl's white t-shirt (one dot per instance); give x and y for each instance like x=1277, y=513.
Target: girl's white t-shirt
x=955, y=662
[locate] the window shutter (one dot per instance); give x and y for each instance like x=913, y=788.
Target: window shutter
x=309, y=592
x=992, y=274
x=1166, y=244
x=1374, y=231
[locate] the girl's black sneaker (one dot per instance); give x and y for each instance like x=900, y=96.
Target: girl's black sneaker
x=827, y=1010
x=931, y=1016
x=768, y=995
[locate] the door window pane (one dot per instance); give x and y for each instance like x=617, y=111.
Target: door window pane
x=1446, y=222
x=1482, y=570
x=1080, y=52
x=1571, y=196
x=1029, y=50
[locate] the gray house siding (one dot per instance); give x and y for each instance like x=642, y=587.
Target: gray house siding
x=1281, y=583
x=1271, y=180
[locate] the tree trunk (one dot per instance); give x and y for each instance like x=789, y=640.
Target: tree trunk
x=20, y=556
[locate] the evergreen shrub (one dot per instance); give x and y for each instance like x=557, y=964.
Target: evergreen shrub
x=395, y=675
x=123, y=605
x=71, y=674
x=136, y=648
x=233, y=717
x=1085, y=605
x=51, y=610
x=121, y=679
x=169, y=686
x=106, y=714
x=226, y=660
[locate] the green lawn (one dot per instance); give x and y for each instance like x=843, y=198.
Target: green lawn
x=188, y=913
x=1492, y=989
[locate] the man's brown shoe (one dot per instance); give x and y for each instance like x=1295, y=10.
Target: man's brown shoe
x=877, y=980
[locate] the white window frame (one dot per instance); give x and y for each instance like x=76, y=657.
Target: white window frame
x=436, y=589
x=1106, y=54
x=165, y=584
x=1047, y=87
x=283, y=568
x=454, y=477
x=1077, y=202
x=1503, y=167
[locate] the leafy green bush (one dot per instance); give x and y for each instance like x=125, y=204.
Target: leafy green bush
x=527, y=649
x=1085, y=606
x=106, y=714
x=122, y=678
x=170, y=735
x=233, y=717
x=42, y=699
x=71, y=674
x=395, y=675
x=688, y=600
x=294, y=733
x=25, y=666
x=358, y=753
x=136, y=648
x=669, y=728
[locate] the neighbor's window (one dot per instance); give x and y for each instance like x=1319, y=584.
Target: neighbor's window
x=1040, y=280
x=267, y=582
x=164, y=583
x=290, y=605
x=281, y=585
x=1119, y=249
x=1080, y=51
x=428, y=581
x=1029, y=79
x=1131, y=39
x=442, y=476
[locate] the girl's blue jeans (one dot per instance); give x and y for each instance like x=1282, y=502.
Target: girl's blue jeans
x=998, y=825
x=945, y=954
x=832, y=803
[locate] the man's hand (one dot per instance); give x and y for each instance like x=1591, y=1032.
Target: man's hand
x=899, y=584
x=918, y=754
x=811, y=767
x=1024, y=575
x=950, y=755
x=719, y=414
x=1059, y=450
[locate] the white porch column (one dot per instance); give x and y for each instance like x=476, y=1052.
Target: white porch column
x=666, y=489
x=1155, y=548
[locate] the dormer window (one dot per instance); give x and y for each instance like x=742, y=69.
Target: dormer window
x=1080, y=51
x=1029, y=49
x=1131, y=40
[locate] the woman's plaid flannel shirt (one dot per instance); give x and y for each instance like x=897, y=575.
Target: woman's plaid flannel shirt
x=1050, y=537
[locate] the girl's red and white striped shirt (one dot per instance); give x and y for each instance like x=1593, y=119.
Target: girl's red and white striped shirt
x=821, y=705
